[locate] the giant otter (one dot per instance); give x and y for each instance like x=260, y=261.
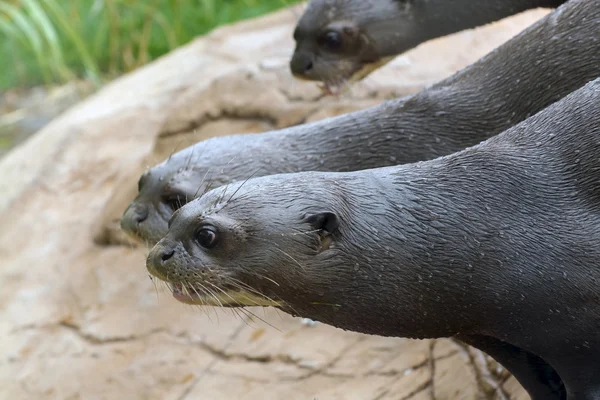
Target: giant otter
x=344, y=40
x=550, y=59
x=497, y=245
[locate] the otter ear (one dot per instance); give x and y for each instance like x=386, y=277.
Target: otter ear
x=326, y=222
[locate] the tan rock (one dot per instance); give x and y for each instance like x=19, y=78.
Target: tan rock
x=79, y=319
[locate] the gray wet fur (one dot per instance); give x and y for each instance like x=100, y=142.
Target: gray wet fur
x=555, y=56
x=497, y=243
x=372, y=30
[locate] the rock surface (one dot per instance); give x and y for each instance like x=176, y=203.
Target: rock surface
x=79, y=319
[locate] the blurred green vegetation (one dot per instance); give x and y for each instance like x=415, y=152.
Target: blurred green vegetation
x=53, y=41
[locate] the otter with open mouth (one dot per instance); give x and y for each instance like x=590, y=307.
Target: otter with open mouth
x=339, y=42
x=496, y=245
x=550, y=59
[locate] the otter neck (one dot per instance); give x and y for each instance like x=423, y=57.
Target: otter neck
x=437, y=18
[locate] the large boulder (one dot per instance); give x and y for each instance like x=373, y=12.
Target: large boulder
x=79, y=319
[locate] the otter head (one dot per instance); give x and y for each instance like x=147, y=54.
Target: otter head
x=252, y=244
x=162, y=190
x=342, y=41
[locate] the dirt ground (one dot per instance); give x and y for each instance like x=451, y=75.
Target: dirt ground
x=79, y=318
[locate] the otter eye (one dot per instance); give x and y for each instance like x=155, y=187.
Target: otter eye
x=207, y=237
x=175, y=201
x=332, y=40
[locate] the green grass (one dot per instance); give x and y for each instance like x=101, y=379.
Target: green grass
x=53, y=41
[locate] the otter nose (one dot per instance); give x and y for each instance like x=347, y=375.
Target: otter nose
x=301, y=65
x=161, y=258
x=166, y=254
x=140, y=213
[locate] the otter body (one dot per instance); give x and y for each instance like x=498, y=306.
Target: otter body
x=550, y=59
x=497, y=245
x=339, y=41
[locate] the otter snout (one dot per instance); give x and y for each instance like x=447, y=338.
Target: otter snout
x=301, y=65
x=161, y=260
x=137, y=213
x=133, y=217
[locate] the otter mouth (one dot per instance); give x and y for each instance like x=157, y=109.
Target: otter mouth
x=136, y=237
x=334, y=88
x=341, y=85
x=218, y=297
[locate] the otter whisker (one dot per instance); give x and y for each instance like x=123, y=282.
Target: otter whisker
x=271, y=280
x=203, y=292
x=155, y=286
x=200, y=297
x=195, y=289
x=220, y=198
x=202, y=182
x=235, y=312
x=246, y=311
x=276, y=247
x=263, y=320
x=167, y=287
x=189, y=160
x=174, y=149
x=186, y=292
x=245, y=287
x=299, y=232
x=243, y=196
x=214, y=296
x=242, y=316
x=239, y=187
x=248, y=318
x=211, y=181
x=222, y=291
x=250, y=288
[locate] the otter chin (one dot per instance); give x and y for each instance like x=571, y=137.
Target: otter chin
x=189, y=293
x=342, y=83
